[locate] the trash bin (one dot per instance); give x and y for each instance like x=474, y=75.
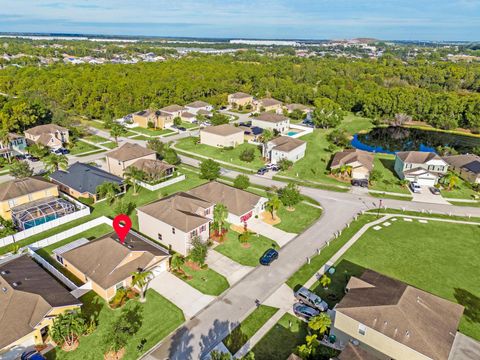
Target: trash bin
x=332, y=339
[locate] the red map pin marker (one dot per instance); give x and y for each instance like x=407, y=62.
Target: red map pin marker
x=122, y=225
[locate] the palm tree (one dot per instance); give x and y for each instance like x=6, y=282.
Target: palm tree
x=245, y=237
x=177, y=262
x=132, y=175
x=320, y=323
x=272, y=205
x=67, y=328
x=5, y=141
x=325, y=281
x=108, y=191
x=220, y=214
x=54, y=162
x=38, y=151
x=116, y=131
x=267, y=135
x=141, y=280
x=451, y=180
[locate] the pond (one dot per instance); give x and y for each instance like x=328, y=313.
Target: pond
x=395, y=138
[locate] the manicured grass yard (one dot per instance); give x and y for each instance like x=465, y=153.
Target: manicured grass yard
x=160, y=317
x=141, y=137
x=230, y=156
x=110, y=144
x=298, y=220
x=282, y=339
x=461, y=191
x=151, y=132
x=248, y=327
x=390, y=180
x=436, y=257
x=206, y=281
x=81, y=147
x=232, y=248
x=96, y=139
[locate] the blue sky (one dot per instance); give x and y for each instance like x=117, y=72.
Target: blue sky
x=313, y=19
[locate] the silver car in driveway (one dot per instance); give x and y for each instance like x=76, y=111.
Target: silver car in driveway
x=311, y=299
x=304, y=311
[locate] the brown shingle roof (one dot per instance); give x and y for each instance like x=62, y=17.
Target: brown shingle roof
x=269, y=102
x=240, y=95
x=151, y=166
x=130, y=151
x=107, y=262
x=179, y=210
x=352, y=352
x=286, y=143
x=172, y=108
x=23, y=306
x=468, y=162
x=238, y=202
x=45, y=129
x=198, y=104
x=351, y=156
x=412, y=317
x=417, y=157
x=271, y=117
x=223, y=130
x=187, y=114
x=16, y=188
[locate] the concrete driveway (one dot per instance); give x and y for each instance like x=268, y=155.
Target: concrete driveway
x=187, y=298
x=426, y=196
x=279, y=236
x=464, y=348
x=225, y=266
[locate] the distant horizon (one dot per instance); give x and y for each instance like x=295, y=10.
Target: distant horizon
x=406, y=20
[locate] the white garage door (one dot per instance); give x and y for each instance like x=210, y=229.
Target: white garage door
x=426, y=182
x=160, y=268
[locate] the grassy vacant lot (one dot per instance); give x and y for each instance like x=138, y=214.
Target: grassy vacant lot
x=298, y=220
x=243, y=332
x=436, y=257
x=314, y=165
x=206, y=281
x=390, y=180
x=81, y=147
x=232, y=248
x=230, y=156
x=159, y=318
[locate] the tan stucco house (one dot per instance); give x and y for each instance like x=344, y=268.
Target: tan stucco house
x=360, y=161
x=240, y=99
x=19, y=192
x=393, y=320
x=467, y=166
x=30, y=299
x=49, y=135
x=268, y=105
x=224, y=135
x=127, y=154
x=107, y=265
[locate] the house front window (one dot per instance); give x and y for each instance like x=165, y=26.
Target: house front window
x=160, y=237
x=193, y=233
x=173, y=230
x=203, y=228
x=119, y=286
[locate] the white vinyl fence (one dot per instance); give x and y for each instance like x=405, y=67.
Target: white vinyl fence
x=162, y=184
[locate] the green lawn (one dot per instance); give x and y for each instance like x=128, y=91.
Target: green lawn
x=81, y=147
x=141, y=137
x=459, y=203
x=231, y=156
x=95, y=124
x=463, y=190
x=110, y=145
x=233, y=249
x=159, y=318
x=390, y=180
x=389, y=196
x=206, y=281
x=282, y=339
x=151, y=132
x=187, y=125
x=436, y=257
x=96, y=139
x=298, y=220
x=301, y=276
x=252, y=323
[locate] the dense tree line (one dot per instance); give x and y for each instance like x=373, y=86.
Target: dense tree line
x=444, y=94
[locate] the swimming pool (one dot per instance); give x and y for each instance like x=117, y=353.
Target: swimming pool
x=291, y=133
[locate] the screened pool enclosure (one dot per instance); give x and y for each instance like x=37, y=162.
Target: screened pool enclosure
x=41, y=211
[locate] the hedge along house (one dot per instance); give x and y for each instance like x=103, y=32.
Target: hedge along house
x=119, y=159
x=176, y=219
x=30, y=299
x=242, y=205
x=107, y=265
x=82, y=180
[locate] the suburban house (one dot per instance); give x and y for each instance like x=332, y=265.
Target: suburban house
x=393, y=320
x=19, y=192
x=16, y=145
x=107, y=265
x=240, y=99
x=173, y=111
x=224, y=135
x=251, y=133
x=303, y=108
x=30, y=298
x=176, y=219
x=82, y=180
x=50, y=135
x=196, y=106
x=242, y=205
x=423, y=167
x=467, y=166
x=154, y=169
x=119, y=159
x=268, y=105
x=271, y=121
x=145, y=117
x=361, y=162
x=285, y=147
x=189, y=117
